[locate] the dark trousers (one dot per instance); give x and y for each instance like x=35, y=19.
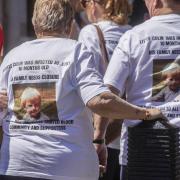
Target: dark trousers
x=4, y=177
x=123, y=173
x=113, y=167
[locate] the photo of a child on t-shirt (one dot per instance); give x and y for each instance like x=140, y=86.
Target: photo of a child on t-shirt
x=31, y=103
x=35, y=102
x=170, y=78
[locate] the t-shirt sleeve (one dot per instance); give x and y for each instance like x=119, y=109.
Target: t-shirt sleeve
x=89, y=37
x=119, y=67
x=88, y=81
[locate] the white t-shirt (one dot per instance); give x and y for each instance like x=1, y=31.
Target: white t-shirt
x=112, y=33
x=59, y=148
x=141, y=54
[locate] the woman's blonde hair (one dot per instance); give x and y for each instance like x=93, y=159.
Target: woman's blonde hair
x=52, y=15
x=117, y=11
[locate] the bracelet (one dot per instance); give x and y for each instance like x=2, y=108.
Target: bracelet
x=99, y=141
x=148, y=116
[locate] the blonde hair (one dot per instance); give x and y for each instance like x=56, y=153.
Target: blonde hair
x=29, y=94
x=52, y=15
x=116, y=10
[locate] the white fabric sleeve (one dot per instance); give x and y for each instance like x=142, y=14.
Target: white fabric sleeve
x=89, y=37
x=119, y=67
x=89, y=81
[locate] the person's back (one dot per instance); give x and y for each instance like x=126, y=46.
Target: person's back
x=158, y=46
x=141, y=53
x=54, y=66
x=47, y=69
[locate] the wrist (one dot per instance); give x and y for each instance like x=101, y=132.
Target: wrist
x=144, y=114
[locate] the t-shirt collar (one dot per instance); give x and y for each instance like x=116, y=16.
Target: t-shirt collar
x=166, y=17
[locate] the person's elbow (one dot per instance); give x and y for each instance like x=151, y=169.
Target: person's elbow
x=100, y=103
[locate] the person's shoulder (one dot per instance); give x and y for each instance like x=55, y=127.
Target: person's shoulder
x=14, y=50
x=145, y=27
x=90, y=28
x=81, y=48
x=137, y=31
x=67, y=42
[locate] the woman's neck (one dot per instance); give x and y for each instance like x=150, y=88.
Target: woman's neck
x=51, y=35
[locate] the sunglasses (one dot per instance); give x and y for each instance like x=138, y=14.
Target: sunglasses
x=84, y=2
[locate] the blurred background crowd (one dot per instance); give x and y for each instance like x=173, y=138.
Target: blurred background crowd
x=15, y=17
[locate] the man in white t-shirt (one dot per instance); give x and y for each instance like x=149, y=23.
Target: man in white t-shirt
x=141, y=54
x=63, y=71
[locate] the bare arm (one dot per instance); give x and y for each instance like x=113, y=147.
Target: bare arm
x=3, y=99
x=111, y=106
x=101, y=123
x=1, y=59
x=113, y=130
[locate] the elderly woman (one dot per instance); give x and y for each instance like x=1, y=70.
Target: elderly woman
x=111, y=18
x=64, y=73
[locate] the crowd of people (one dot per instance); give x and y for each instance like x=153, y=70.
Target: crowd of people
x=68, y=97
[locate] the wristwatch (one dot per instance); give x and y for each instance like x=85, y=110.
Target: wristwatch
x=99, y=141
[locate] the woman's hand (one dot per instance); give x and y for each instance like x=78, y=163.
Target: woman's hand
x=154, y=113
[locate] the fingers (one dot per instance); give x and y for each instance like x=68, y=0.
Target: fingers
x=102, y=170
x=152, y=114
x=102, y=159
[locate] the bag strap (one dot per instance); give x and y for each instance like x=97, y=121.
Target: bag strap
x=104, y=52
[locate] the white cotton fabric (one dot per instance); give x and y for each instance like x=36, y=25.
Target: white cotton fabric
x=111, y=32
x=131, y=66
x=52, y=153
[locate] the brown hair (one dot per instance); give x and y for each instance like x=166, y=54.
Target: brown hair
x=116, y=10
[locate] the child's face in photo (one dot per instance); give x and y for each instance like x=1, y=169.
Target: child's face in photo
x=173, y=82
x=33, y=107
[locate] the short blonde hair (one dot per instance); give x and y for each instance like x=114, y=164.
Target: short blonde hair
x=29, y=94
x=117, y=11
x=52, y=15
